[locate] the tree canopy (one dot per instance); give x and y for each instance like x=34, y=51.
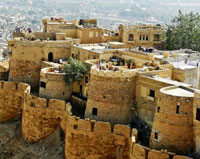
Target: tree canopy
x=74, y=71
x=184, y=32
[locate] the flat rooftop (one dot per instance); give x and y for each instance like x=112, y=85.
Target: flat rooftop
x=179, y=92
x=169, y=81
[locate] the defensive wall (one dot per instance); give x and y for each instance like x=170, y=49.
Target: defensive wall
x=52, y=84
x=40, y=117
x=141, y=152
x=111, y=96
x=85, y=138
x=92, y=139
x=11, y=98
x=173, y=120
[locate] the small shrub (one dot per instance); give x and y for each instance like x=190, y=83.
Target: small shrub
x=74, y=71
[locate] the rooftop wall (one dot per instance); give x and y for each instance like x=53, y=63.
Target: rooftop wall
x=142, y=152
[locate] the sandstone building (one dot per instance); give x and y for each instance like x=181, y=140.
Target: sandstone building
x=133, y=103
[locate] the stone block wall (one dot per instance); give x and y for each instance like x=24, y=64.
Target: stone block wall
x=91, y=139
x=141, y=152
x=55, y=87
x=145, y=105
x=41, y=117
x=111, y=96
x=173, y=121
x=11, y=99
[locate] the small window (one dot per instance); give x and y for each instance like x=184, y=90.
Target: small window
x=140, y=37
x=143, y=37
x=156, y=135
x=198, y=114
x=43, y=84
x=86, y=79
x=94, y=111
x=147, y=38
x=177, y=109
x=152, y=93
x=76, y=127
x=130, y=38
x=158, y=109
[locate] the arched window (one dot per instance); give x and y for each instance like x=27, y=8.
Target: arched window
x=50, y=57
x=130, y=38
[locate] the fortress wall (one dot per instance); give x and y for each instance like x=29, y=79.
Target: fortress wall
x=112, y=94
x=91, y=139
x=11, y=99
x=145, y=105
x=41, y=117
x=173, y=129
x=56, y=87
x=141, y=152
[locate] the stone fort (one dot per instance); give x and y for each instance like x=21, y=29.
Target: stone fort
x=135, y=102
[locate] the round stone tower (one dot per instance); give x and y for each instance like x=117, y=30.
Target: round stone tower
x=52, y=85
x=111, y=96
x=173, y=120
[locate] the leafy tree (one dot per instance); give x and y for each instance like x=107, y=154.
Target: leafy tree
x=74, y=71
x=184, y=32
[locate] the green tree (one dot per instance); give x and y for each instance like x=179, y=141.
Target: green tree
x=184, y=32
x=74, y=71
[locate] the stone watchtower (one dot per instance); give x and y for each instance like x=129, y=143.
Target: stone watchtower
x=111, y=96
x=173, y=121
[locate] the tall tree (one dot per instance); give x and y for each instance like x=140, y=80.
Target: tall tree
x=184, y=32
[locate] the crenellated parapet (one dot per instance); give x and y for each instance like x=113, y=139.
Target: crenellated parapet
x=52, y=85
x=141, y=152
x=82, y=135
x=111, y=96
x=11, y=97
x=41, y=117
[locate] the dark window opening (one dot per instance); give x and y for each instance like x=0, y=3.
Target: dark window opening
x=156, y=37
x=147, y=38
x=86, y=79
x=198, y=114
x=158, y=109
x=152, y=93
x=43, y=84
x=156, y=135
x=50, y=57
x=177, y=109
x=143, y=37
x=130, y=38
x=63, y=93
x=76, y=127
x=94, y=111
x=140, y=37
